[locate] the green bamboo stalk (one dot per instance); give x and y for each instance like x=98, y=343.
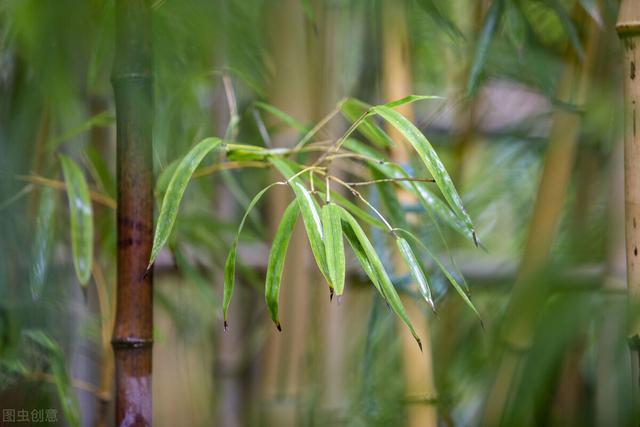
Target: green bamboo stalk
x=132, y=336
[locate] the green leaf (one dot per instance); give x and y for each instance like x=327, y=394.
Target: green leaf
x=334, y=246
x=352, y=110
x=230, y=264
x=430, y=159
x=310, y=215
x=482, y=46
x=440, y=19
x=284, y=117
x=81, y=213
x=375, y=269
x=568, y=25
x=175, y=191
x=444, y=270
x=415, y=269
x=43, y=241
x=276, y=259
x=410, y=100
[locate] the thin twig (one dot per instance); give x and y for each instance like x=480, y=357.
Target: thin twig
x=97, y=197
x=320, y=124
x=376, y=181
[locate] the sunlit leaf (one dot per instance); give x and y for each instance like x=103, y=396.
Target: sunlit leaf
x=277, y=256
x=230, y=263
x=334, y=245
x=375, y=270
x=429, y=158
x=43, y=241
x=284, y=117
x=410, y=100
x=415, y=269
x=175, y=191
x=81, y=214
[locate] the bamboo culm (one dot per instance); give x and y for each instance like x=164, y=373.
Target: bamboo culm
x=132, y=336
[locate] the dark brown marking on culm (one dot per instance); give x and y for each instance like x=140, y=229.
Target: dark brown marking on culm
x=633, y=70
x=635, y=251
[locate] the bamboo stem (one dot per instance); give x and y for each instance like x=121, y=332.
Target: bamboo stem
x=628, y=27
x=132, y=337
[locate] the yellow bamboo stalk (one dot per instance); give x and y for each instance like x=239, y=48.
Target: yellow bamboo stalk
x=397, y=80
x=563, y=137
x=628, y=28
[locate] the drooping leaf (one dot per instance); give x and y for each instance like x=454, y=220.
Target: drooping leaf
x=430, y=159
x=81, y=213
x=415, y=269
x=277, y=256
x=230, y=263
x=42, y=242
x=482, y=46
x=376, y=270
x=310, y=215
x=444, y=270
x=334, y=246
x=175, y=191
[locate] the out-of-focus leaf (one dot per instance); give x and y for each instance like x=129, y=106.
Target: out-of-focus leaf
x=104, y=118
x=276, y=260
x=482, y=46
x=444, y=270
x=515, y=25
x=430, y=159
x=284, y=117
x=440, y=19
x=43, y=241
x=569, y=26
x=175, y=191
x=310, y=215
x=377, y=271
x=64, y=388
x=81, y=214
x=353, y=109
x=415, y=269
x=100, y=171
x=162, y=183
x=192, y=274
x=230, y=264
x=591, y=7
x=334, y=246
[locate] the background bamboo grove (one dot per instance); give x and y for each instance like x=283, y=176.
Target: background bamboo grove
x=319, y=213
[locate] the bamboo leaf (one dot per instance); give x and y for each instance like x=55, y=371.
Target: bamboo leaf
x=415, y=269
x=484, y=40
x=334, y=246
x=276, y=259
x=439, y=18
x=376, y=271
x=81, y=213
x=284, y=117
x=569, y=26
x=430, y=159
x=43, y=241
x=352, y=110
x=230, y=263
x=444, y=270
x=310, y=216
x=175, y=191
x=410, y=100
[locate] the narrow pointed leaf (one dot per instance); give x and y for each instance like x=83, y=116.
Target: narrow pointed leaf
x=445, y=271
x=175, y=191
x=482, y=46
x=376, y=270
x=230, y=263
x=81, y=214
x=410, y=100
x=568, y=25
x=352, y=110
x=284, y=117
x=443, y=21
x=334, y=245
x=429, y=158
x=415, y=269
x=43, y=241
x=277, y=256
x=310, y=215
